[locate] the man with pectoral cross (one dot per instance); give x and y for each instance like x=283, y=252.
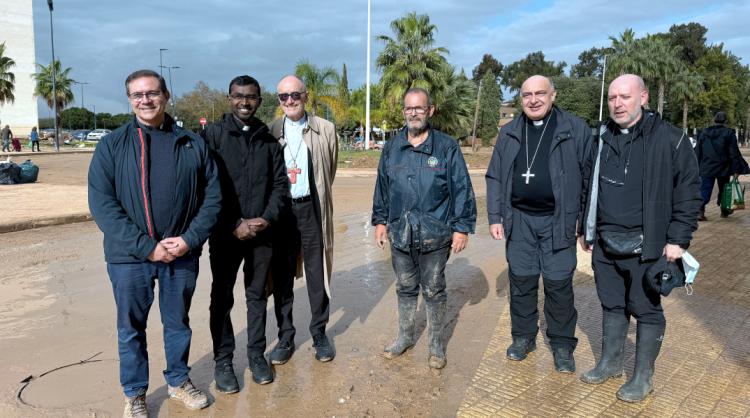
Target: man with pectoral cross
x=534, y=188
x=254, y=192
x=310, y=153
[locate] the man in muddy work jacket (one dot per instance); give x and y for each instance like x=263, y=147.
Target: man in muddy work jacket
x=154, y=192
x=534, y=188
x=424, y=204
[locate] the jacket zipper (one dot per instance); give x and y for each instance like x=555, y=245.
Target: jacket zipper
x=143, y=184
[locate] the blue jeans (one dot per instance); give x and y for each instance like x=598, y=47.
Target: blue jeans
x=133, y=287
x=707, y=187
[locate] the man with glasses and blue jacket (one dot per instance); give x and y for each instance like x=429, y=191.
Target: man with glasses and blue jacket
x=154, y=192
x=424, y=205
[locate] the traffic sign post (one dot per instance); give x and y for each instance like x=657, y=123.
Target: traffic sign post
x=203, y=122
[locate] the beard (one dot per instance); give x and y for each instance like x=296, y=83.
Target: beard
x=416, y=126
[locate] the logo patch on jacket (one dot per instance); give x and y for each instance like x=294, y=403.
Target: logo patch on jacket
x=432, y=162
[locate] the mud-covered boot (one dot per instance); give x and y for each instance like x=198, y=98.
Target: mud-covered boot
x=436, y=326
x=614, y=333
x=647, y=346
x=407, y=309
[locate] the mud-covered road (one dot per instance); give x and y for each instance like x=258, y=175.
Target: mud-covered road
x=56, y=308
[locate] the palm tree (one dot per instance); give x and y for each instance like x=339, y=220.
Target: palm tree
x=63, y=83
x=454, y=104
x=410, y=59
x=322, y=86
x=660, y=63
x=686, y=86
x=627, y=54
x=7, y=79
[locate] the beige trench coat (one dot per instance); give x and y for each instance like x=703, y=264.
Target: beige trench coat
x=320, y=138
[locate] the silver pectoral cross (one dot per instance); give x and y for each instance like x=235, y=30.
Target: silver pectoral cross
x=527, y=175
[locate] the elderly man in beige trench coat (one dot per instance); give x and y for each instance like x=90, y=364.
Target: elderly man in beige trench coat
x=306, y=229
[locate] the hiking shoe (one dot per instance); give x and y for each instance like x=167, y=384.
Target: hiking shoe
x=135, y=407
x=323, y=349
x=190, y=396
x=520, y=348
x=226, y=381
x=260, y=369
x=282, y=352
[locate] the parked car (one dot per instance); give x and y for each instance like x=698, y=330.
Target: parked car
x=49, y=134
x=78, y=135
x=46, y=133
x=97, y=134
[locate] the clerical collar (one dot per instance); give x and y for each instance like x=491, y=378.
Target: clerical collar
x=539, y=122
x=240, y=125
x=632, y=129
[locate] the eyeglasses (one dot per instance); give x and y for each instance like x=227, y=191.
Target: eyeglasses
x=296, y=95
x=139, y=96
x=416, y=109
x=245, y=97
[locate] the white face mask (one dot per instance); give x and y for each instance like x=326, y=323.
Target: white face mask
x=691, y=266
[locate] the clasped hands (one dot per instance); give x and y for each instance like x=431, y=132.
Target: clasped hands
x=249, y=228
x=168, y=249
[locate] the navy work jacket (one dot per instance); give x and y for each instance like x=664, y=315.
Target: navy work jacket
x=423, y=194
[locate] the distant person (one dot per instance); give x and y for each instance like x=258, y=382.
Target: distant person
x=306, y=236
x=34, y=138
x=254, y=191
x=424, y=205
x=154, y=192
x=6, y=135
x=719, y=158
x=642, y=204
x=534, y=188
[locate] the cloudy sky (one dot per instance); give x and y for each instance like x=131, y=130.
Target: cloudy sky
x=216, y=40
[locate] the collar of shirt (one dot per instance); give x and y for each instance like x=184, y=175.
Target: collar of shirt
x=425, y=147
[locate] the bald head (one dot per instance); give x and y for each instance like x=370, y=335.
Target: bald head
x=288, y=87
x=537, y=96
x=625, y=99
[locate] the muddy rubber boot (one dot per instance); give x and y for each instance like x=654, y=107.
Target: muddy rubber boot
x=436, y=326
x=407, y=309
x=614, y=333
x=647, y=346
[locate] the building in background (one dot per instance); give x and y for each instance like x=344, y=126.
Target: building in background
x=17, y=32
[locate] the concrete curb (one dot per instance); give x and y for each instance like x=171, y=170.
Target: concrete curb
x=4, y=155
x=42, y=222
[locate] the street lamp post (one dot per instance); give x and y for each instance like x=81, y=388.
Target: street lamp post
x=161, y=61
x=53, y=72
x=82, y=83
x=367, y=82
x=171, y=90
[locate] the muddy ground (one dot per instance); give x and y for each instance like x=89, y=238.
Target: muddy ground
x=56, y=308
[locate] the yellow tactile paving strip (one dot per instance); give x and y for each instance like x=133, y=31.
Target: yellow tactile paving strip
x=703, y=369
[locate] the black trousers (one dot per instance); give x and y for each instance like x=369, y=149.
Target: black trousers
x=226, y=254
x=621, y=286
x=300, y=231
x=530, y=253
